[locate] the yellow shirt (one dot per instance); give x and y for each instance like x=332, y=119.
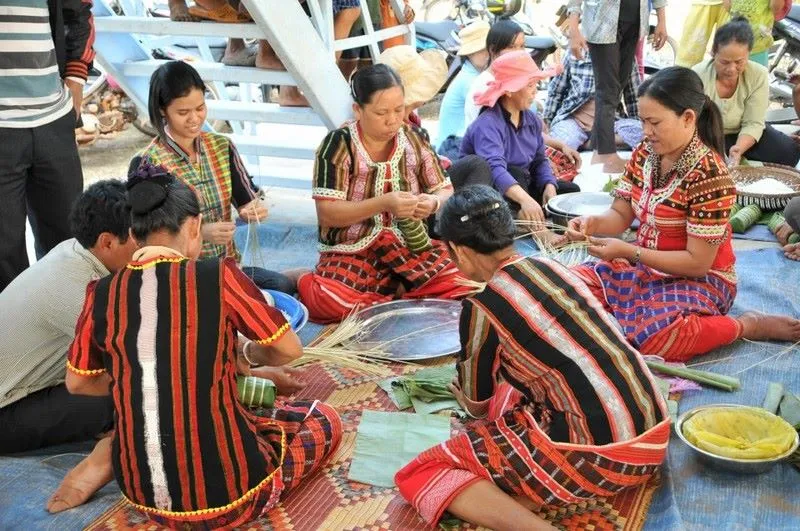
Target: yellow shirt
x=743, y=113
x=759, y=15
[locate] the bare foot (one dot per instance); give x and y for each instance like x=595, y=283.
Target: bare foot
x=239, y=55
x=291, y=97
x=783, y=232
x=266, y=57
x=762, y=327
x=179, y=12
x=84, y=480
x=612, y=163
x=792, y=251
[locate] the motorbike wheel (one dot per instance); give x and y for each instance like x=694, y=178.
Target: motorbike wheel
x=655, y=60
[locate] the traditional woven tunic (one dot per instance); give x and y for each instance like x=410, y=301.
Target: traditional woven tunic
x=673, y=317
x=369, y=261
x=574, y=412
x=185, y=451
x=219, y=178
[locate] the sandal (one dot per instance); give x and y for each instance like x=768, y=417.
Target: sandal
x=225, y=14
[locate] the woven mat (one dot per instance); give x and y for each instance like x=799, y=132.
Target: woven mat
x=329, y=501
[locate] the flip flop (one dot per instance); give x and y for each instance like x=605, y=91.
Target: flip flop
x=225, y=14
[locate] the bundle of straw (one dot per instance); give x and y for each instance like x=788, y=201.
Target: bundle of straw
x=331, y=349
x=559, y=249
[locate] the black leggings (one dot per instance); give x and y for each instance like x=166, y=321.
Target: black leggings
x=265, y=279
x=472, y=169
x=773, y=146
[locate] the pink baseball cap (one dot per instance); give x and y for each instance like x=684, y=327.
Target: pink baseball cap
x=512, y=71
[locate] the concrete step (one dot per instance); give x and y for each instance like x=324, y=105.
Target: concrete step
x=215, y=71
x=164, y=26
x=261, y=112
x=281, y=141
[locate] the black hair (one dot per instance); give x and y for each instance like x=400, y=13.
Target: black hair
x=367, y=81
x=158, y=201
x=102, y=207
x=169, y=82
x=501, y=36
x=678, y=89
x=736, y=30
x=477, y=217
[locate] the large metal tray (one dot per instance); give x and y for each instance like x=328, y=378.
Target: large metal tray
x=410, y=330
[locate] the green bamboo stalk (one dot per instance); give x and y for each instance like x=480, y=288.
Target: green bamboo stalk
x=773, y=398
x=712, y=379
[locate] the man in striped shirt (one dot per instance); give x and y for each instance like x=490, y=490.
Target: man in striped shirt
x=45, y=55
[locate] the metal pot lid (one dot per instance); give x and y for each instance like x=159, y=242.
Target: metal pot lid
x=580, y=203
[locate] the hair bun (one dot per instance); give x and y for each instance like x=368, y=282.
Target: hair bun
x=148, y=188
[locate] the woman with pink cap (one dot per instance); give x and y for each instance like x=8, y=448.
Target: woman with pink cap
x=508, y=135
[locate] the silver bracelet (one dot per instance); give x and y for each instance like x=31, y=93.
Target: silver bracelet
x=247, y=357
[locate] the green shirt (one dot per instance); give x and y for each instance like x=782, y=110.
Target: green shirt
x=743, y=113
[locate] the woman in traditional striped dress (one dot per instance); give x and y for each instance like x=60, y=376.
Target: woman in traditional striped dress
x=160, y=336
x=672, y=289
x=377, y=180
x=569, y=409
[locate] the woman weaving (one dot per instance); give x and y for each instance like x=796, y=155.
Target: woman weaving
x=160, y=337
x=671, y=290
x=377, y=181
x=207, y=162
x=569, y=409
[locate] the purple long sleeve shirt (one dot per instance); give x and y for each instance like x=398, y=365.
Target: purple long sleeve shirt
x=494, y=138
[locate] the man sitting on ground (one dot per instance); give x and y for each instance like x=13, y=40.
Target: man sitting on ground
x=570, y=111
x=39, y=311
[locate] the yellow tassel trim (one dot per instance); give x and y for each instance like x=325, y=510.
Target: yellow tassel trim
x=233, y=505
x=156, y=262
x=282, y=330
x=84, y=372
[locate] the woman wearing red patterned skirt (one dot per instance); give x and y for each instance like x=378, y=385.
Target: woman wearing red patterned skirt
x=671, y=290
x=377, y=181
x=161, y=337
x=568, y=410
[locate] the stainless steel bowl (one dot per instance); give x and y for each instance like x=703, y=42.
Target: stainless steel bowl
x=742, y=466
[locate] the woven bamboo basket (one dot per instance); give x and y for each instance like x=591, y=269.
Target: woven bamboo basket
x=744, y=175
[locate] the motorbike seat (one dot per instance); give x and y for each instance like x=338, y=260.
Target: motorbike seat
x=540, y=42
x=438, y=31
x=794, y=13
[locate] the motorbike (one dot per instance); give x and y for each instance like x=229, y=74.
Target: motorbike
x=783, y=63
x=443, y=34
